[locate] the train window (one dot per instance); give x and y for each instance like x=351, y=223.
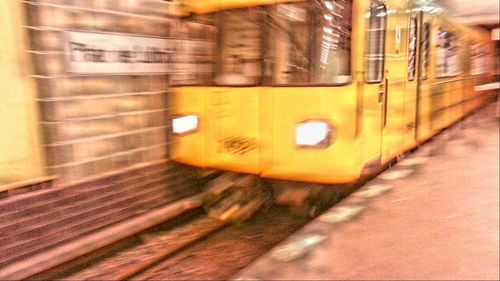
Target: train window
x=447, y=56
x=425, y=50
x=331, y=62
x=239, y=44
x=289, y=29
x=311, y=43
x=412, y=48
x=479, y=59
x=375, y=49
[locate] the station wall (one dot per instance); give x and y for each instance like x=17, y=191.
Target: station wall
x=103, y=69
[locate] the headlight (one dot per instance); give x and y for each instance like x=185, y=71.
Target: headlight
x=313, y=134
x=183, y=124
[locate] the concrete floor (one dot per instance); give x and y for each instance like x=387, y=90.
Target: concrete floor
x=433, y=216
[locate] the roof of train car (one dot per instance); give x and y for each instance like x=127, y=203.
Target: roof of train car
x=208, y=6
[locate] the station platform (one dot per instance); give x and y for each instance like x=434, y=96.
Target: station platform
x=432, y=216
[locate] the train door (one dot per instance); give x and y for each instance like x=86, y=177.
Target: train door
x=395, y=80
x=423, y=121
x=385, y=71
x=411, y=87
x=375, y=82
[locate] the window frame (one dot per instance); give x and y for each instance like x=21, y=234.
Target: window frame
x=368, y=39
x=459, y=67
x=218, y=54
x=269, y=80
x=411, y=76
x=425, y=52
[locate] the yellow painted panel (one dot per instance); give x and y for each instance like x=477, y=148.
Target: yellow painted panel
x=190, y=148
x=235, y=137
x=209, y=6
x=335, y=105
x=21, y=156
x=267, y=117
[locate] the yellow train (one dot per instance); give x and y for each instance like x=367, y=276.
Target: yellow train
x=323, y=91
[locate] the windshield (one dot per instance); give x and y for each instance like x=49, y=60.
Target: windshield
x=239, y=47
x=287, y=59
x=309, y=43
x=306, y=43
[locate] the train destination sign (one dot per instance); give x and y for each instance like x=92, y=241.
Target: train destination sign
x=100, y=53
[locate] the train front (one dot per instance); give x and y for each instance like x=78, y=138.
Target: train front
x=281, y=104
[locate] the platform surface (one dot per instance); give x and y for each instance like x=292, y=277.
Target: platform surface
x=432, y=216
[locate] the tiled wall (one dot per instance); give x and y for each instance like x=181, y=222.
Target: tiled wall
x=95, y=124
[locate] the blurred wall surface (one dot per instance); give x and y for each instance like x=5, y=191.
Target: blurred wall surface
x=103, y=69
x=21, y=156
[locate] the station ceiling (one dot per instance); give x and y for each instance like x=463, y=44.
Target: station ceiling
x=474, y=12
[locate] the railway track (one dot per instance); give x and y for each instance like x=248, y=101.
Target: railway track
x=170, y=237
x=223, y=253
x=202, y=246
x=197, y=245
x=227, y=200
x=153, y=247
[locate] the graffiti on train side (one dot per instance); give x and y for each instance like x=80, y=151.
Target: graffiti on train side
x=237, y=145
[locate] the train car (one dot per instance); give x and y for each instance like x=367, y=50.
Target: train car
x=325, y=91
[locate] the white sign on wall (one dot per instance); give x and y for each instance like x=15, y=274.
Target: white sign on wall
x=101, y=53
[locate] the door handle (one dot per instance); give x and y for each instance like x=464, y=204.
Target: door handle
x=386, y=92
x=381, y=92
